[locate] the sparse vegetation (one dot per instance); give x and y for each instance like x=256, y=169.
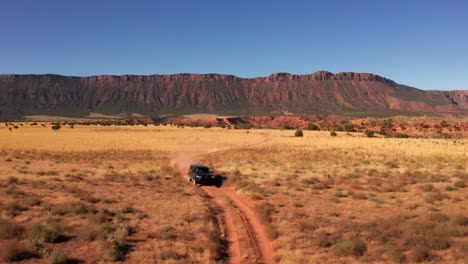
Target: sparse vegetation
x=369, y=133
x=114, y=191
x=352, y=246
x=56, y=126
x=312, y=126
x=58, y=257
x=13, y=251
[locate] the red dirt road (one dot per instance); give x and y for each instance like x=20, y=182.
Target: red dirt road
x=248, y=242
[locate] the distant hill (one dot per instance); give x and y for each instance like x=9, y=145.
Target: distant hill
x=359, y=94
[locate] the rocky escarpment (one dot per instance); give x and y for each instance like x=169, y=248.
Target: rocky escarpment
x=460, y=98
x=278, y=94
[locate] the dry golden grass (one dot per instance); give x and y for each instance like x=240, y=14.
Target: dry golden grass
x=322, y=199
x=114, y=190
x=331, y=194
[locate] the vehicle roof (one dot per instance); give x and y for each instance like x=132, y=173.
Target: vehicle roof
x=199, y=166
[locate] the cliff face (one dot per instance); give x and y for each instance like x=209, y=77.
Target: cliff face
x=280, y=93
x=460, y=98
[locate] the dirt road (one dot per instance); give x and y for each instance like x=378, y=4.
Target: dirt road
x=248, y=242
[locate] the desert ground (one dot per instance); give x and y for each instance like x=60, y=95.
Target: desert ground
x=98, y=194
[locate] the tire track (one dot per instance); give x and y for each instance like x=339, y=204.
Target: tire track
x=248, y=242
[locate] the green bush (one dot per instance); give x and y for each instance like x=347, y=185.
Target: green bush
x=333, y=134
x=56, y=126
x=312, y=126
x=369, y=133
x=299, y=133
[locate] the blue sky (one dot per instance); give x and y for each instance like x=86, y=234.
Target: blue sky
x=419, y=43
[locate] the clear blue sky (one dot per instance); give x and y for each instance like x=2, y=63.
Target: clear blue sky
x=419, y=43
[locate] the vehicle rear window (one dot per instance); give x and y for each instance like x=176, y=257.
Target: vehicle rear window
x=202, y=170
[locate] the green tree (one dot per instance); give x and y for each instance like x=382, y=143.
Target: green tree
x=299, y=133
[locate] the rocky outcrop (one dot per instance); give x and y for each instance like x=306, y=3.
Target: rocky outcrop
x=460, y=98
x=278, y=94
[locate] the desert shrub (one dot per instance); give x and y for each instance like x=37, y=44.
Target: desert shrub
x=420, y=254
x=312, y=126
x=459, y=220
x=444, y=123
x=459, y=184
x=166, y=233
x=33, y=201
x=440, y=135
x=13, y=251
x=369, y=133
x=299, y=133
x=326, y=240
x=339, y=194
x=56, y=126
x=352, y=246
x=70, y=208
x=307, y=181
x=349, y=127
x=12, y=180
x=207, y=125
x=129, y=210
x=401, y=135
x=333, y=134
x=449, y=188
x=171, y=255
x=288, y=127
x=92, y=199
x=37, y=234
x=338, y=128
x=437, y=243
x=434, y=197
x=396, y=256
x=114, y=246
x=13, y=209
x=438, y=217
x=428, y=188
x=9, y=229
x=359, y=196
x=97, y=228
x=112, y=250
x=58, y=257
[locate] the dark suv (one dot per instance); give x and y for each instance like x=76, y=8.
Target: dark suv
x=201, y=174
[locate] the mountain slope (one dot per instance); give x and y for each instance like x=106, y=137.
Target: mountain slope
x=280, y=93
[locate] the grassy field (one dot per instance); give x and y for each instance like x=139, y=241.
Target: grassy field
x=93, y=193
